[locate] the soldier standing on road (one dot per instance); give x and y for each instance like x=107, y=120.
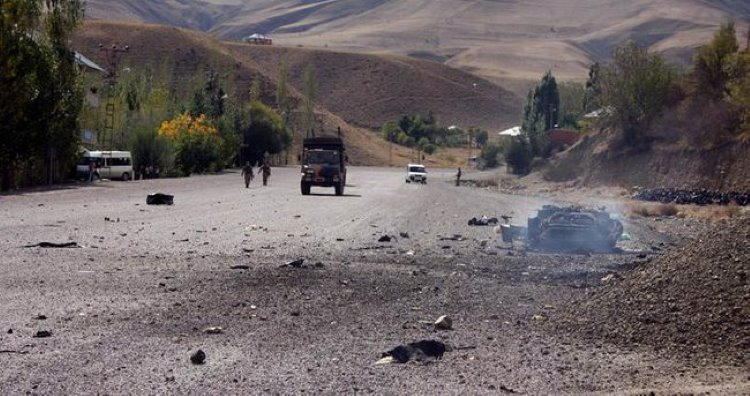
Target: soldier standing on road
x=247, y=171
x=266, y=170
x=92, y=170
x=458, y=177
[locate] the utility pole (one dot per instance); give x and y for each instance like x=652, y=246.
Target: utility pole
x=112, y=56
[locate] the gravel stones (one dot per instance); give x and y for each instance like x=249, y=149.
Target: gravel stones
x=696, y=196
x=693, y=300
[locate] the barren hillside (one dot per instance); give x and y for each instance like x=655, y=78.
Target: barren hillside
x=357, y=92
x=499, y=40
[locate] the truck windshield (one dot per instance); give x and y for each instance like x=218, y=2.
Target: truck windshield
x=416, y=169
x=323, y=157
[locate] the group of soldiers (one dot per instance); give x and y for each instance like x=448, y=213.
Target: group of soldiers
x=247, y=172
x=265, y=170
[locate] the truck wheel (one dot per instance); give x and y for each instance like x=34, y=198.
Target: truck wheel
x=125, y=176
x=305, y=188
x=339, y=189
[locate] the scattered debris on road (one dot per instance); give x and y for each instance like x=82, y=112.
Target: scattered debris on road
x=213, y=330
x=55, y=245
x=240, y=267
x=385, y=238
x=199, y=357
x=159, y=199
x=299, y=263
x=254, y=228
x=483, y=221
x=13, y=351
x=419, y=351
x=444, y=322
x=43, y=334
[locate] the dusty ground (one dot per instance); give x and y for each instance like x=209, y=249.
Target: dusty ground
x=126, y=311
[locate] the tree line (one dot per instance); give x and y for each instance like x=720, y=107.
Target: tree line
x=631, y=91
x=205, y=127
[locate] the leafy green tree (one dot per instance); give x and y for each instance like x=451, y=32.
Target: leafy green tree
x=422, y=143
x=210, y=99
x=710, y=64
x=390, y=131
x=41, y=95
x=593, y=91
x=489, y=155
x=310, y=92
x=739, y=86
x=542, y=105
x=572, y=98
x=481, y=137
x=519, y=156
x=541, y=112
x=148, y=148
x=264, y=133
x=636, y=87
x=429, y=149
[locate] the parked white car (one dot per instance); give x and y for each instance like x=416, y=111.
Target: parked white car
x=416, y=173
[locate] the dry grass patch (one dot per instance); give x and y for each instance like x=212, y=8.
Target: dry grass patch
x=652, y=209
x=712, y=213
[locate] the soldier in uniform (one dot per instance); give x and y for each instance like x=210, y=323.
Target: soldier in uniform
x=247, y=171
x=266, y=170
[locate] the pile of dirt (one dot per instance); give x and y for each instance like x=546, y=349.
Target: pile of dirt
x=693, y=302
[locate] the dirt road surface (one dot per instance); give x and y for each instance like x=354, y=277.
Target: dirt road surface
x=127, y=309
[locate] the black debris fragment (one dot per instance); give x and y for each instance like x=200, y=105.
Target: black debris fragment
x=483, y=221
x=420, y=350
x=55, y=245
x=159, y=199
x=199, y=357
x=299, y=263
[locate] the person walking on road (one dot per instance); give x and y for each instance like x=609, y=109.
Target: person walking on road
x=265, y=169
x=458, y=177
x=92, y=170
x=247, y=171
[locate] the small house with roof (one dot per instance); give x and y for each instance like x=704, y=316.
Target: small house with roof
x=258, y=39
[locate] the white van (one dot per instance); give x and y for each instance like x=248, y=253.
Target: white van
x=109, y=165
x=416, y=173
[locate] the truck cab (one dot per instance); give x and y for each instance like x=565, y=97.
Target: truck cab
x=323, y=163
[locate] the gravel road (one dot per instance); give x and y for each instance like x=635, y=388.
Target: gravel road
x=126, y=311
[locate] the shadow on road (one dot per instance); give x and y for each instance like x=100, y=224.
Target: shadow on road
x=56, y=187
x=333, y=195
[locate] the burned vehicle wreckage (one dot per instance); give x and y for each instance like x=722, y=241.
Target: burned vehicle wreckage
x=567, y=229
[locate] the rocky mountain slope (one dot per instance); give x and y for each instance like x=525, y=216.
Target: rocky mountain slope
x=500, y=40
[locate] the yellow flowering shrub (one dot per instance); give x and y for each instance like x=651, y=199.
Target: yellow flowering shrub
x=184, y=125
x=196, y=141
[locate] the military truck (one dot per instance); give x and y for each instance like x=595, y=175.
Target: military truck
x=323, y=162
